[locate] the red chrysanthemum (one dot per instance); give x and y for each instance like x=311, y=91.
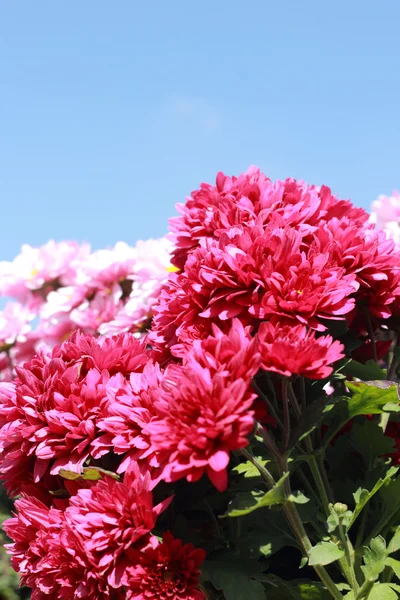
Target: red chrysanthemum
x=49, y=421
x=256, y=274
x=369, y=255
x=112, y=519
x=235, y=201
x=130, y=409
x=171, y=570
x=49, y=557
x=297, y=351
x=204, y=410
x=122, y=353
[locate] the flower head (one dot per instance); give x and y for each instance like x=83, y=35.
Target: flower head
x=170, y=570
x=49, y=557
x=50, y=421
x=40, y=269
x=295, y=350
x=204, y=410
x=112, y=519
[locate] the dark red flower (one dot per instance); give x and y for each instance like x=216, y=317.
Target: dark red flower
x=171, y=570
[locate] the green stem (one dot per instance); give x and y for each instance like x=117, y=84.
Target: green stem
x=365, y=590
x=286, y=416
x=360, y=540
x=268, y=403
x=268, y=441
x=319, y=482
x=293, y=401
x=347, y=564
x=394, y=362
x=298, y=528
x=371, y=333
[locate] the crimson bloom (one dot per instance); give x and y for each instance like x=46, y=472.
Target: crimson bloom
x=234, y=201
x=204, y=410
x=255, y=274
x=49, y=557
x=131, y=407
x=297, y=351
x=170, y=570
x=112, y=519
x=49, y=421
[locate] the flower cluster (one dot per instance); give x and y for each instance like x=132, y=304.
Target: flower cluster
x=62, y=287
x=157, y=368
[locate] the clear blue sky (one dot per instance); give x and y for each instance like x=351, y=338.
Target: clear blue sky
x=110, y=112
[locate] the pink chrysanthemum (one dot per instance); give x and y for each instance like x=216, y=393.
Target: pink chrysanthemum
x=369, y=255
x=237, y=201
x=204, y=410
x=295, y=351
x=50, y=423
x=171, y=570
x=256, y=274
x=112, y=519
x=49, y=557
x=131, y=407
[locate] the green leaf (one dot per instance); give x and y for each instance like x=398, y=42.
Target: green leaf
x=374, y=558
x=312, y=591
x=371, y=370
x=363, y=496
x=370, y=397
x=324, y=553
x=382, y=591
x=70, y=475
x=246, y=502
x=264, y=534
x=394, y=543
x=395, y=565
x=239, y=580
x=248, y=470
x=369, y=439
x=88, y=473
x=298, y=497
x=296, y=590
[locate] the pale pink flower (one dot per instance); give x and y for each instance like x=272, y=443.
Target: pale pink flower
x=386, y=209
x=14, y=324
x=149, y=274
x=40, y=269
x=102, y=268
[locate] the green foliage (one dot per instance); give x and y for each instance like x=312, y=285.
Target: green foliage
x=246, y=502
x=374, y=558
x=237, y=579
x=324, y=553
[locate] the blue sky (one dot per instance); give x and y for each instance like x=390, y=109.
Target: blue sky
x=110, y=112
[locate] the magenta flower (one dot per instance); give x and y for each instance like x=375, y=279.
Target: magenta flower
x=112, y=519
x=51, y=422
x=84, y=551
x=204, y=410
x=294, y=350
x=49, y=557
x=131, y=407
x=236, y=201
